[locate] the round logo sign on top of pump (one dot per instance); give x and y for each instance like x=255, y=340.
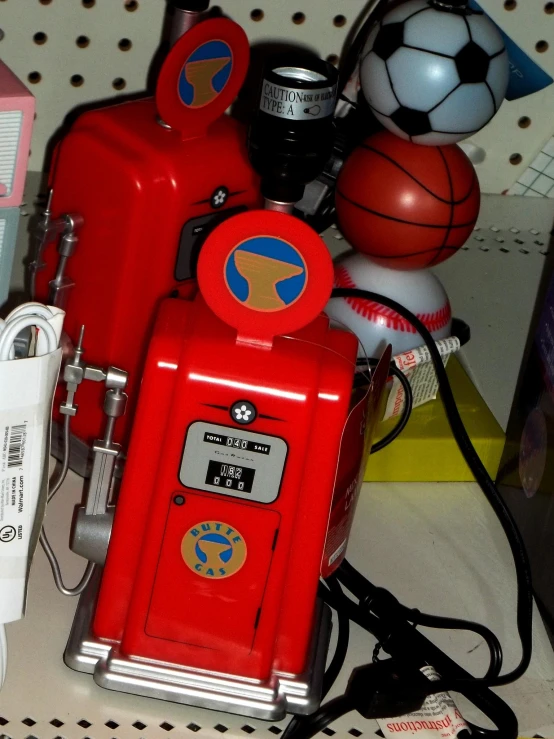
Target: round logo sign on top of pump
x=202, y=75
x=265, y=273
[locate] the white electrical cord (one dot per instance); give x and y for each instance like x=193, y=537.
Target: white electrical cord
x=45, y=544
x=29, y=315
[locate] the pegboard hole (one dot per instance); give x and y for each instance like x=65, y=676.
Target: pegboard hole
x=45, y=2
x=3, y=721
x=248, y=729
x=131, y=5
x=112, y=725
x=77, y=80
x=82, y=41
x=339, y=21
x=139, y=726
x=40, y=38
x=194, y=727
x=28, y=722
x=89, y=3
x=221, y=728
x=298, y=18
x=34, y=78
x=56, y=722
x=167, y=726
x=333, y=59
x=119, y=83
x=84, y=724
x=542, y=46
x=328, y=732
x=524, y=122
x=549, y=8
x=516, y=159
x=524, y=251
x=510, y=5
x=257, y=15
x=125, y=44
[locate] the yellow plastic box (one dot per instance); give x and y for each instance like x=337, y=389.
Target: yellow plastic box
x=426, y=450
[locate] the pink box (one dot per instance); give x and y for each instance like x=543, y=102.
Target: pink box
x=17, y=112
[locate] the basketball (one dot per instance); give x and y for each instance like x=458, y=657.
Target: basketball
x=407, y=206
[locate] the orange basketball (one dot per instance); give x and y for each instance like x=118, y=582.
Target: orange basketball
x=404, y=205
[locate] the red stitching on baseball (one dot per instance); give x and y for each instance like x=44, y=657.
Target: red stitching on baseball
x=386, y=316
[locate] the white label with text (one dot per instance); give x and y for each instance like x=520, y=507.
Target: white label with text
x=438, y=718
x=418, y=368
x=15, y=459
x=297, y=105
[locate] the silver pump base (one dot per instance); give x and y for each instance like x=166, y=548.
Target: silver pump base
x=268, y=700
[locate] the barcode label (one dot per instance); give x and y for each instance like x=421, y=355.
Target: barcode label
x=16, y=446
x=11, y=122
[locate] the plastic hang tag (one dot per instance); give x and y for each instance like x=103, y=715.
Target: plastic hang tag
x=26, y=396
x=365, y=413
x=416, y=364
x=526, y=77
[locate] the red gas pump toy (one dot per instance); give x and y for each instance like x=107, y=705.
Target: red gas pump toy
x=209, y=592
x=136, y=188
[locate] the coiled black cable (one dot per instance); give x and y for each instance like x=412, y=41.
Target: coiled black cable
x=517, y=547
x=394, y=625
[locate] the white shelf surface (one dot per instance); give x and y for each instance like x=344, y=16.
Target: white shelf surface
x=437, y=547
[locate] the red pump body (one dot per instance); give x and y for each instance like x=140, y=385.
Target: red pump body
x=207, y=567
x=149, y=195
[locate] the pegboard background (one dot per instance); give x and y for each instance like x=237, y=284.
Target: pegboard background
x=74, y=52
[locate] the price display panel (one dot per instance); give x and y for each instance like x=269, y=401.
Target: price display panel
x=233, y=462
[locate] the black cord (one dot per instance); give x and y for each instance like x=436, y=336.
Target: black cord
x=410, y=649
x=457, y=624
x=519, y=553
x=357, y=583
x=406, y=410
x=299, y=725
x=364, y=589
x=350, y=59
x=386, y=688
x=343, y=638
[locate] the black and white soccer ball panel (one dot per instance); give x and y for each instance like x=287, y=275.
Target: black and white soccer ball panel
x=434, y=77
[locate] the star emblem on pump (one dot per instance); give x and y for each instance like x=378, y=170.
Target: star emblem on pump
x=243, y=412
x=219, y=197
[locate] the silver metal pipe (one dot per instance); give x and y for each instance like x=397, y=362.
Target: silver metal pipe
x=275, y=205
x=183, y=20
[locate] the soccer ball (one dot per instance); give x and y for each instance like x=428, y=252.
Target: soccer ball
x=434, y=76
